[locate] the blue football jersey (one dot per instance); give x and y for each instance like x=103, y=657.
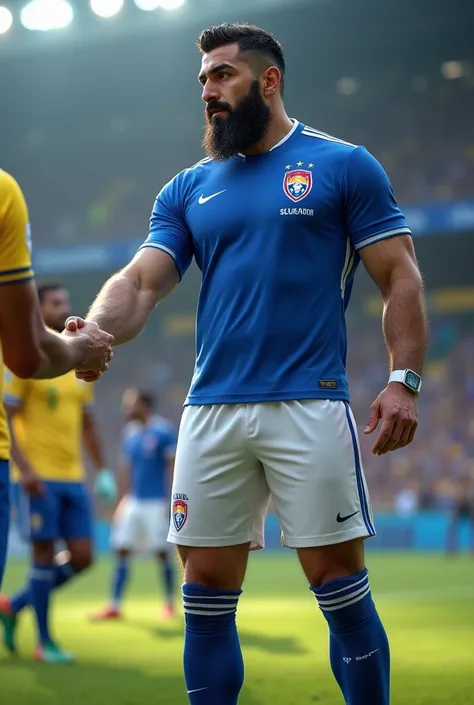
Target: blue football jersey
x=146, y=449
x=276, y=237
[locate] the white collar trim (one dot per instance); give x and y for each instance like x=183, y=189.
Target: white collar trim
x=285, y=138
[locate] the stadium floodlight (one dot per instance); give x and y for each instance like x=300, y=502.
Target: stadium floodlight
x=6, y=19
x=147, y=5
x=106, y=8
x=452, y=69
x=347, y=86
x=43, y=15
x=171, y=4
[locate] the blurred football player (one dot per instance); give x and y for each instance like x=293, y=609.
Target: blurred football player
x=146, y=471
x=277, y=218
x=462, y=512
x=27, y=347
x=50, y=419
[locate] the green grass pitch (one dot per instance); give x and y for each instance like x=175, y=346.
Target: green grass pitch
x=426, y=602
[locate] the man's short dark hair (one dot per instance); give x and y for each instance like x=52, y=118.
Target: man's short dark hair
x=250, y=39
x=147, y=398
x=47, y=288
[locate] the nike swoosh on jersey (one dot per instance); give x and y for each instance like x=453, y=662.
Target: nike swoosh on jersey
x=340, y=519
x=196, y=690
x=205, y=199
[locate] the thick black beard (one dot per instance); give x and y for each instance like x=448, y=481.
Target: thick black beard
x=243, y=128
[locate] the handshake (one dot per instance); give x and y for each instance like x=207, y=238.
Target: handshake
x=92, y=348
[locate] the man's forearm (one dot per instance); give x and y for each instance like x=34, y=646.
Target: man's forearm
x=92, y=443
x=122, y=308
x=59, y=354
x=405, y=324
x=17, y=454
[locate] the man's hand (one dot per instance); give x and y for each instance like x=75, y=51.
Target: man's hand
x=105, y=487
x=398, y=409
x=98, y=351
x=32, y=483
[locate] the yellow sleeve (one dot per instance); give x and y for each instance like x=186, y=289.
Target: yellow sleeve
x=14, y=388
x=15, y=237
x=88, y=395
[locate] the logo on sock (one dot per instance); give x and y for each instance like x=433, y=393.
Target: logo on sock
x=180, y=511
x=366, y=656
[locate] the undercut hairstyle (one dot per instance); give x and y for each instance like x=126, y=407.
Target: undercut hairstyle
x=147, y=398
x=250, y=40
x=48, y=288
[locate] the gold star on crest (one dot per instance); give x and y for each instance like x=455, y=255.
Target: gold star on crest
x=288, y=166
x=300, y=163
x=310, y=165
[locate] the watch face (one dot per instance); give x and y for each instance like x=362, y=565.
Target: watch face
x=412, y=380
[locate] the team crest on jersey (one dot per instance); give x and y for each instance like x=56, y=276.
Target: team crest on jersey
x=180, y=510
x=297, y=184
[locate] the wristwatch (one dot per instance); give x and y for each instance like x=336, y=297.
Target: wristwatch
x=410, y=379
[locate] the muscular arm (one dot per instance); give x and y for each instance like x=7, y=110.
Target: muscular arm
x=392, y=265
x=125, y=302
x=123, y=479
x=92, y=440
x=29, y=349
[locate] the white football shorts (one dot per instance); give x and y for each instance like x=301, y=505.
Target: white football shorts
x=140, y=523
x=232, y=459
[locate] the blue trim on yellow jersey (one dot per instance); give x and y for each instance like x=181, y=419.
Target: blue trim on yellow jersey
x=7, y=272
x=16, y=281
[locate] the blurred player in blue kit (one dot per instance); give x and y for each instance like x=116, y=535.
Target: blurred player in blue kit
x=146, y=471
x=277, y=217
x=50, y=420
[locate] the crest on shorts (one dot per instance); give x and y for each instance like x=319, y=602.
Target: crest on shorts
x=297, y=184
x=180, y=513
x=36, y=522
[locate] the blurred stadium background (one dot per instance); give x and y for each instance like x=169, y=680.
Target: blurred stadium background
x=99, y=108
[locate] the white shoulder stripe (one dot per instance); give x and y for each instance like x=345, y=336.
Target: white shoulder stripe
x=310, y=132
x=206, y=160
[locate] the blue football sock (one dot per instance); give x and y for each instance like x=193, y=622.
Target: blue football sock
x=359, y=650
x=213, y=664
x=168, y=579
x=63, y=572
x=41, y=584
x=20, y=599
x=119, y=581
x=61, y=575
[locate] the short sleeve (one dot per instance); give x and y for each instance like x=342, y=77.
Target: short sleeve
x=168, y=229
x=14, y=389
x=371, y=211
x=15, y=237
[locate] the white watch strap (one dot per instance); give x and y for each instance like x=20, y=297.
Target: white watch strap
x=397, y=376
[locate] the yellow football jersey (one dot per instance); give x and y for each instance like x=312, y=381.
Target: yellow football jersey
x=48, y=424
x=15, y=262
